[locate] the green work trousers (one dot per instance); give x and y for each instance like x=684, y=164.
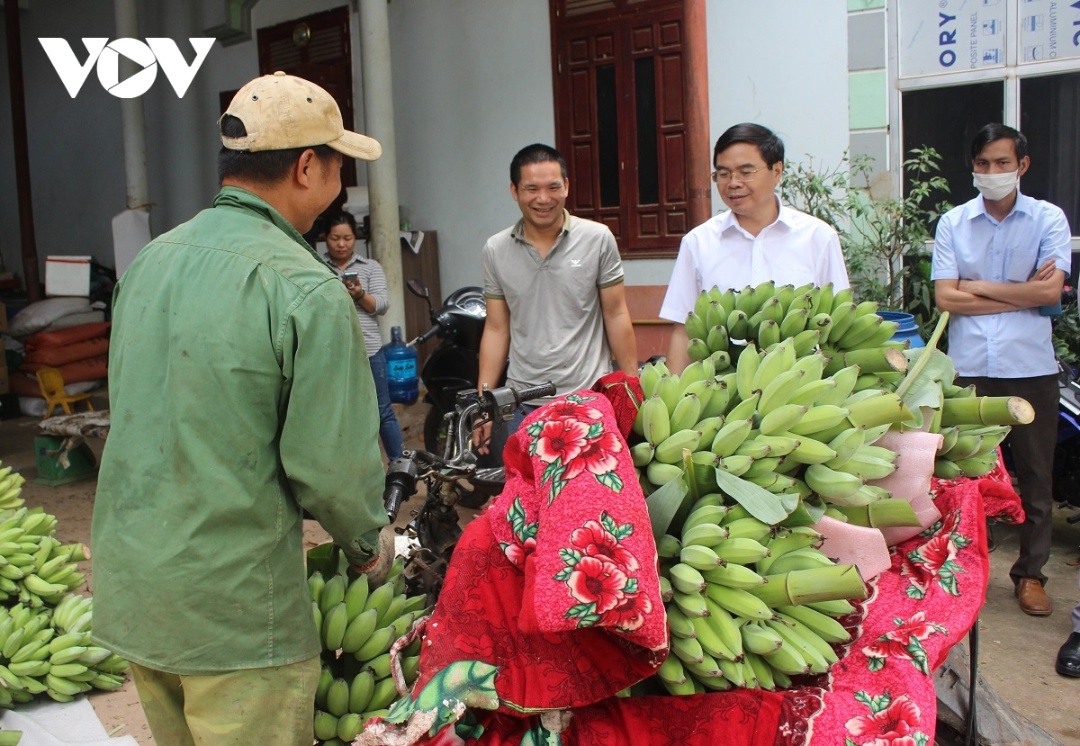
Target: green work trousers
x=256, y=705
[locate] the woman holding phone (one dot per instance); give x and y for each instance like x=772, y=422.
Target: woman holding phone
x=366, y=283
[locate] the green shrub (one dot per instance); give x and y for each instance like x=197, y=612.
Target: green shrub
x=1066, y=336
x=885, y=240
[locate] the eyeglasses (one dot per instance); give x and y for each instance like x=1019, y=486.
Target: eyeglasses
x=723, y=175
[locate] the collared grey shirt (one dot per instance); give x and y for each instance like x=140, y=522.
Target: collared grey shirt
x=556, y=319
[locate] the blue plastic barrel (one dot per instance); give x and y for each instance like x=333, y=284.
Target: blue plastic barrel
x=908, y=331
x=401, y=369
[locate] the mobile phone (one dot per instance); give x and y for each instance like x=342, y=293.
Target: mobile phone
x=350, y=277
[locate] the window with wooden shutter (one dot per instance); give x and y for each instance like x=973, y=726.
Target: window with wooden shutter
x=317, y=48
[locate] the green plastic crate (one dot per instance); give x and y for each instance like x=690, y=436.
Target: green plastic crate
x=82, y=463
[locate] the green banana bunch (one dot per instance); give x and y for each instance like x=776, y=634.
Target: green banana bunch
x=360, y=620
x=44, y=628
x=969, y=450
x=48, y=651
x=358, y=624
x=723, y=621
x=790, y=390
x=35, y=568
x=11, y=483
x=73, y=613
x=795, y=397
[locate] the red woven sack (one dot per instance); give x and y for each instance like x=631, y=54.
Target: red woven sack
x=87, y=369
x=54, y=357
x=68, y=336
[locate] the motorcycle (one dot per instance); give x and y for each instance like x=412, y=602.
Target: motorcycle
x=1067, y=451
x=451, y=479
x=454, y=365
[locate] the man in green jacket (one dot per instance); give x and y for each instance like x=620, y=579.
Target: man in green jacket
x=240, y=397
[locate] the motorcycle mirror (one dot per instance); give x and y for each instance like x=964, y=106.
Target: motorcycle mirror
x=418, y=288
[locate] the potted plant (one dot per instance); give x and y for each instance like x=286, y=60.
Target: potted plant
x=885, y=238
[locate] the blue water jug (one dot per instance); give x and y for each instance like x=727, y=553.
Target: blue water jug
x=401, y=369
x=908, y=331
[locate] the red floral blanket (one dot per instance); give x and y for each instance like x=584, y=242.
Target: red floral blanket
x=551, y=608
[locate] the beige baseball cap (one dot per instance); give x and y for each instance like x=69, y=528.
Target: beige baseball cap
x=282, y=111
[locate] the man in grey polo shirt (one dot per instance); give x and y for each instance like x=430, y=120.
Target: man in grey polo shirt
x=554, y=289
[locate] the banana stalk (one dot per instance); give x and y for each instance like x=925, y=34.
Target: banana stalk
x=811, y=586
x=888, y=512
x=987, y=410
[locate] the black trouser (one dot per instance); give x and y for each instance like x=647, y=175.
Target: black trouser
x=1032, y=448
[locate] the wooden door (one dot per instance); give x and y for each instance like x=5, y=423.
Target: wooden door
x=621, y=119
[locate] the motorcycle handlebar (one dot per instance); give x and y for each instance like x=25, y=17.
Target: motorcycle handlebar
x=404, y=472
x=400, y=484
x=535, y=392
x=425, y=336
x=393, y=498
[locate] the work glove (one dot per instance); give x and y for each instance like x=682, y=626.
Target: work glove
x=377, y=569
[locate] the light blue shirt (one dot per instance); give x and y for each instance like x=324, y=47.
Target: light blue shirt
x=971, y=245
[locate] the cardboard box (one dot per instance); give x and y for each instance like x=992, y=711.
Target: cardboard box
x=5, y=382
x=3, y=318
x=67, y=275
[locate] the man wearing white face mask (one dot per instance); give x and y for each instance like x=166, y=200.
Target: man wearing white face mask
x=997, y=260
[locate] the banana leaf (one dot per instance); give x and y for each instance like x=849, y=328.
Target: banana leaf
x=804, y=514
x=928, y=370
x=758, y=501
x=666, y=503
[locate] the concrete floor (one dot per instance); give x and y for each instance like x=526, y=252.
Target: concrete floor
x=1016, y=655
x=1016, y=651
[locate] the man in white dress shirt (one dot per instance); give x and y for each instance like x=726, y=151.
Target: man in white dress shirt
x=756, y=240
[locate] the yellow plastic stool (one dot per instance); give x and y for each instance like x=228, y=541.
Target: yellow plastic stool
x=51, y=383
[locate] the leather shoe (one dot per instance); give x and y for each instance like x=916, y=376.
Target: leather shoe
x=1068, y=658
x=1033, y=599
